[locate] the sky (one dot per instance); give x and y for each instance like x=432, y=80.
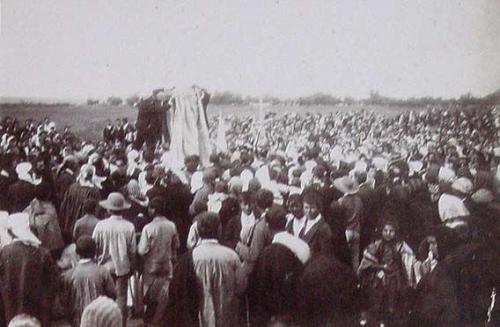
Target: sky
x=400, y=48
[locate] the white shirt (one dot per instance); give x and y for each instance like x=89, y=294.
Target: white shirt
x=311, y=222
x=247, y=221
x=297, y=225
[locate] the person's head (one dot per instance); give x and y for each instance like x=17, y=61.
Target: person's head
x=89, y=206
x=295, y=205
x=191, y=163
x=263, y=200
x=220, y=187
x=102, y=312
x=85, y=247
x=311, y=199
x=389, y=230
x=247, y=202
x=209, y=176
x=42, y=192
x=156, y=207
x=87, y=172
x=428, y=244
x=24, y=320
x=209, y=226
x=276, y=218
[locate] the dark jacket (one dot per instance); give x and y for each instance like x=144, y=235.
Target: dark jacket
x=20, y=193
x=29, y=279
x=274, y=284
x=320, y=239
x=183, y=304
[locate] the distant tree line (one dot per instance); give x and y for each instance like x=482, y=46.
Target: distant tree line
x=375, y=98
x=33, y=104
x=317, y=99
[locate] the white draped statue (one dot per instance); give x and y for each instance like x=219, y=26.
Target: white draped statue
x=188, y=124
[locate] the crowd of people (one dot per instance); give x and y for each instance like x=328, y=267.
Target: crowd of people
x=299, y=219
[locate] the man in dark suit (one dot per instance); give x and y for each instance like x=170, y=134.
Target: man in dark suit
x=151, y=120
x=107, y=133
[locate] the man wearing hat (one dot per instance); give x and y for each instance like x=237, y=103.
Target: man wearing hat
x=116, y=246
x=352, y=206
x=27, y=272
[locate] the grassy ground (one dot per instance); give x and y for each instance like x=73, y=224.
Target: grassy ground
x=89, y=121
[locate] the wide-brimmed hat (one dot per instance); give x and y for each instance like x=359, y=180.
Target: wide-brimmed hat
x=346, y=185
x=115, y=201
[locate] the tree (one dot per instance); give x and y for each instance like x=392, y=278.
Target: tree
x=132, y=100
x=92, y=102
x=114, y=101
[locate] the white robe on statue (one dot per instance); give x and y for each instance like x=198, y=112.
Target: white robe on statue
x=188, y=124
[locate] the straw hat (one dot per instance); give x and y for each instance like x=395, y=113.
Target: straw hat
x=115, y=201
x=346, y=185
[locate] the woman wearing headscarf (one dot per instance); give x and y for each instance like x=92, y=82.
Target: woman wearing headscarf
x=23, y=191
x=44, y=221
x=73, y=201
x=386, y=273
x=28, y=274
x=65, y=176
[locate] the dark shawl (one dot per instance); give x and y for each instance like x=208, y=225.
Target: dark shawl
x=72, y=206
x=274, y=284
x=29, y=277
x=20, y=193
x=320, y=239
x=327, y=294
x=182, y=307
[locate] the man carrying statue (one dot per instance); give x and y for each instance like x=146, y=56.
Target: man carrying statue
x=177, y=116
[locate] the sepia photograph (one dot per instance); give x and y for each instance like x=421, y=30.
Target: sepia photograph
x=266, y=163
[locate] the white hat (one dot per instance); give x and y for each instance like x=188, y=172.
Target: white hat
x=446, y=175
x=380, y=163
x=132, y=155
x=23, y=168
x=415, y=165
x=18, y=224
x=463, y=185
x=115, y=201
x=346, y=185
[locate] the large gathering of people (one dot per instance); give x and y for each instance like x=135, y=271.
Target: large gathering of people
x=341, y=218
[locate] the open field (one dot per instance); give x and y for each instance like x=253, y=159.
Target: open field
x=89, y=121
